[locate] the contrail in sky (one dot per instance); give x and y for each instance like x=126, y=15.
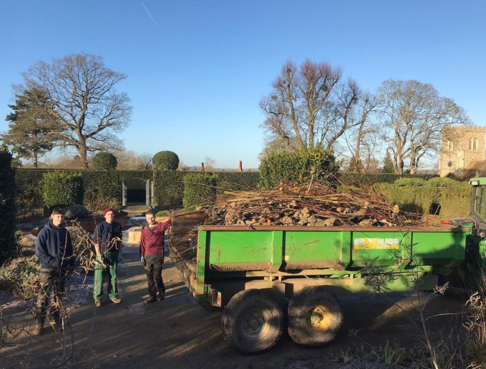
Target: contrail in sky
x=150, y=15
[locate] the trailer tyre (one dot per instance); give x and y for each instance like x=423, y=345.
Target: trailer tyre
x=252, y=322
x=314, y=316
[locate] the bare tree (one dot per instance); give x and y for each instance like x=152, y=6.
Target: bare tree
x=362, y=140
x=83, y=97
x=209, y=163
x=413, y=116
x=310, y=106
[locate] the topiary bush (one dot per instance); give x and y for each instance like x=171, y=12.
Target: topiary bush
x=296, y=167
x=104, y=161
x=199, y=189
x=8, y=245
x=62, y=188
x=165, y=160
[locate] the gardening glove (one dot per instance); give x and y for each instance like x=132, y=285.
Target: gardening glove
x=142, y=260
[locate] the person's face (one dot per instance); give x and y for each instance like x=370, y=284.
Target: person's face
x=109, y=216
x=57, y=219
x=150, y=218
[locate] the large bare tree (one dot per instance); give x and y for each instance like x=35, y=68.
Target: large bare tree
x=84, y=99
x=311, y=106
x=413, y=116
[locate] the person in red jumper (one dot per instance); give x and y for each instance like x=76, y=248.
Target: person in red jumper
x=152, y=256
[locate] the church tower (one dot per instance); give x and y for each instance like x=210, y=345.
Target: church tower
x=460, y=147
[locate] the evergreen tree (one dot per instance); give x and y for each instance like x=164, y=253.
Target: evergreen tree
x=33, y=129
x=388, y=166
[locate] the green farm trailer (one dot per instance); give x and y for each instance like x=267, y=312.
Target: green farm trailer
x=268, y=278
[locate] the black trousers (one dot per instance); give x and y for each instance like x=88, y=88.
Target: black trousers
x=153, y=270
x=52, y=283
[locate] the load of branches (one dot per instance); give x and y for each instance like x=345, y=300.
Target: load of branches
x=314, y=205
x=318, y=205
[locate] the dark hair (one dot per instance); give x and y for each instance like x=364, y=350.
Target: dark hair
x=149, y=212
x=57, y=210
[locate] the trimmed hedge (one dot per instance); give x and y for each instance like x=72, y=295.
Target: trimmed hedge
x=199, y=189
x=168, y=187
x=7, y=207
x=28, y=185
x=453, y=201
x=359, y=179
x=237, y=181
x=296, y=167
x=101, y=189
x=62, y=188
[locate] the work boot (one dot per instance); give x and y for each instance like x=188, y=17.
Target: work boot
x=57, y=326
x=149, y=300
x=161, y=295
x=116, y=300
x=37, y=331
x=98, y=303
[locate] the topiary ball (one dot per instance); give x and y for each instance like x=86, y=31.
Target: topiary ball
x=104, y=161
x=165, y=160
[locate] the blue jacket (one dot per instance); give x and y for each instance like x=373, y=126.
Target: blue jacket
x=53, y=247
x=104, y=234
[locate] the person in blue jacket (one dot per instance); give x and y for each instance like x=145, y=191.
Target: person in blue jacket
x=54, y=249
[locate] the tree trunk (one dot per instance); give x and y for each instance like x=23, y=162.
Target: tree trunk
x=83, y=151
x=34, y=157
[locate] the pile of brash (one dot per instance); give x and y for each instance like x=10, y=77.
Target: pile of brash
x=300, y=206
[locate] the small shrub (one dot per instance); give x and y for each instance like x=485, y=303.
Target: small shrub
x=22, y=277
x=62, y=188
x=199, y=189
x=104, y=161
x=165, y=160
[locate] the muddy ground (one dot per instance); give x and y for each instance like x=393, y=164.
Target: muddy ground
x=178, y=333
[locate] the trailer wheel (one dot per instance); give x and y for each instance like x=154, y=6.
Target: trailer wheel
x=314, y=317
x=252, y=321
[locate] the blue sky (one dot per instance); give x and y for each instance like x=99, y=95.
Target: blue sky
x=197, y=73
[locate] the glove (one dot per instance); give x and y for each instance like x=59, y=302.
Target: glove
x=142, y=260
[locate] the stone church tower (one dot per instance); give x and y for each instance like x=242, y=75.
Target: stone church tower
x=460, y=147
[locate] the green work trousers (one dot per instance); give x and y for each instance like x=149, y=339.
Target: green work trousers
x=107, y=271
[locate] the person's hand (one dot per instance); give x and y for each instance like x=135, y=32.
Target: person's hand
x=142, y=261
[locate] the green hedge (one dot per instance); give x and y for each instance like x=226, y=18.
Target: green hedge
x=7, y=207
x=359, y=179
x=199, y=189
x=101, y=189
x=296, y=167
x=28, y=185
x=453, y=201
x=62, y=188
x=168, y=187
x=237, y=181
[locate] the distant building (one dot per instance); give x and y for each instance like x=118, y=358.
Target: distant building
x=460, y=147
